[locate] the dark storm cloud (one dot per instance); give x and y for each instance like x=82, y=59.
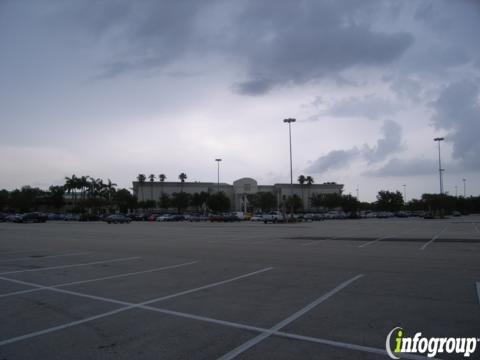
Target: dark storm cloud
x=390, y=143
x=291, y=42
x=457, y=111
x=277, y=42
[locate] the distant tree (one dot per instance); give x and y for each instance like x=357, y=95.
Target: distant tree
x=164, y=201
x=199, y=199
x=350, y=204
x=294, y=203
x=182, y=178
x=151, y=178
x=310, y=182
x=4, y=199
x=329, y=201
x=71, y=185
x=141, y=179
x=301, y=180
x=162, y=177
x=56, y=196
x=389, y=200
x=27, y=199
x=218, y=202
x=263, y=201
x=180, y=201
x=124, y=200
x=110, y=189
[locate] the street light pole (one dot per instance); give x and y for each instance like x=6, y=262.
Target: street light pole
x=218, y=174
x=404, y=193
x=440, y=170
x=464, y=188
x=290, y=121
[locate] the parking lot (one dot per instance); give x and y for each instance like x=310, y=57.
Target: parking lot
x=320, y=290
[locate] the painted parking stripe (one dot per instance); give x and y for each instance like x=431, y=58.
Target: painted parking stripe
x=308, y=243
x=126, y=305
x=70, y=266
x=44, y=257
x=434, y=238
x=100, y=279
x=226, y=323
x=476, y=228
x=374, y=241
x=252, y=342
x=478, y=291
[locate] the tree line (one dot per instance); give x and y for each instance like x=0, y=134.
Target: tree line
x=86, y=193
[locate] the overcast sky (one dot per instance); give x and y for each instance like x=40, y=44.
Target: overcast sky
x=116, y=88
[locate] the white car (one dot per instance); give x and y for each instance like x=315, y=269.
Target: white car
x=273, y=216
x=257, y=217
x=165, y=217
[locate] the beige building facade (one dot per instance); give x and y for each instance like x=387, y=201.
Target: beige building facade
x=237, y=193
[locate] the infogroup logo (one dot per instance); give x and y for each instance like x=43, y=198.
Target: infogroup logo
x=429, y=346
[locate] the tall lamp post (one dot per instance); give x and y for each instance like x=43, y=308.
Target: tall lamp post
x=440, y=170
x=218, y=174
x=404, y=193
x=464, y=188
x=289, y=121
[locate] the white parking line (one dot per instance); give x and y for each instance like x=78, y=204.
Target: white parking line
x=70, y=266
x=478, y=291
x=127, y=305
x=231, y=324
x=374, y=241
x=476, y=228
x=252, y=342
x=434, y=238
x=99, y=279
x=309, y=243
x=44, y=257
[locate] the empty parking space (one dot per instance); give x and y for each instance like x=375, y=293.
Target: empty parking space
x=319, y=290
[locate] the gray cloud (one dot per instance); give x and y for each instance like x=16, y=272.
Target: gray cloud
x=368, y=106
x=405, y=167
x=277, y=43
x=390, y=143
x=287, y=43
x=335, y=159
x=457, y=110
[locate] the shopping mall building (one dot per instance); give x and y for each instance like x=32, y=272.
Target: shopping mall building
x=237, y=193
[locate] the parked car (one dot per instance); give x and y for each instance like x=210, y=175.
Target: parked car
x=31, y=218
x=216, y=218
x=273, y=217
x=196, y=218
x=12, y=217
x=256, y=217
x=165, y=217
x=88, y=217
x=117, y=219
x=71, y=217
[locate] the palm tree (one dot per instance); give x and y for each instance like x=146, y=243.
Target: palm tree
x=162, y=178
x=182, y=178
x=83, y=185
x=301, y=179
x=151, y=178
x=110, y=188
x=309, y=181
x=71, y=186
x=141, y=179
